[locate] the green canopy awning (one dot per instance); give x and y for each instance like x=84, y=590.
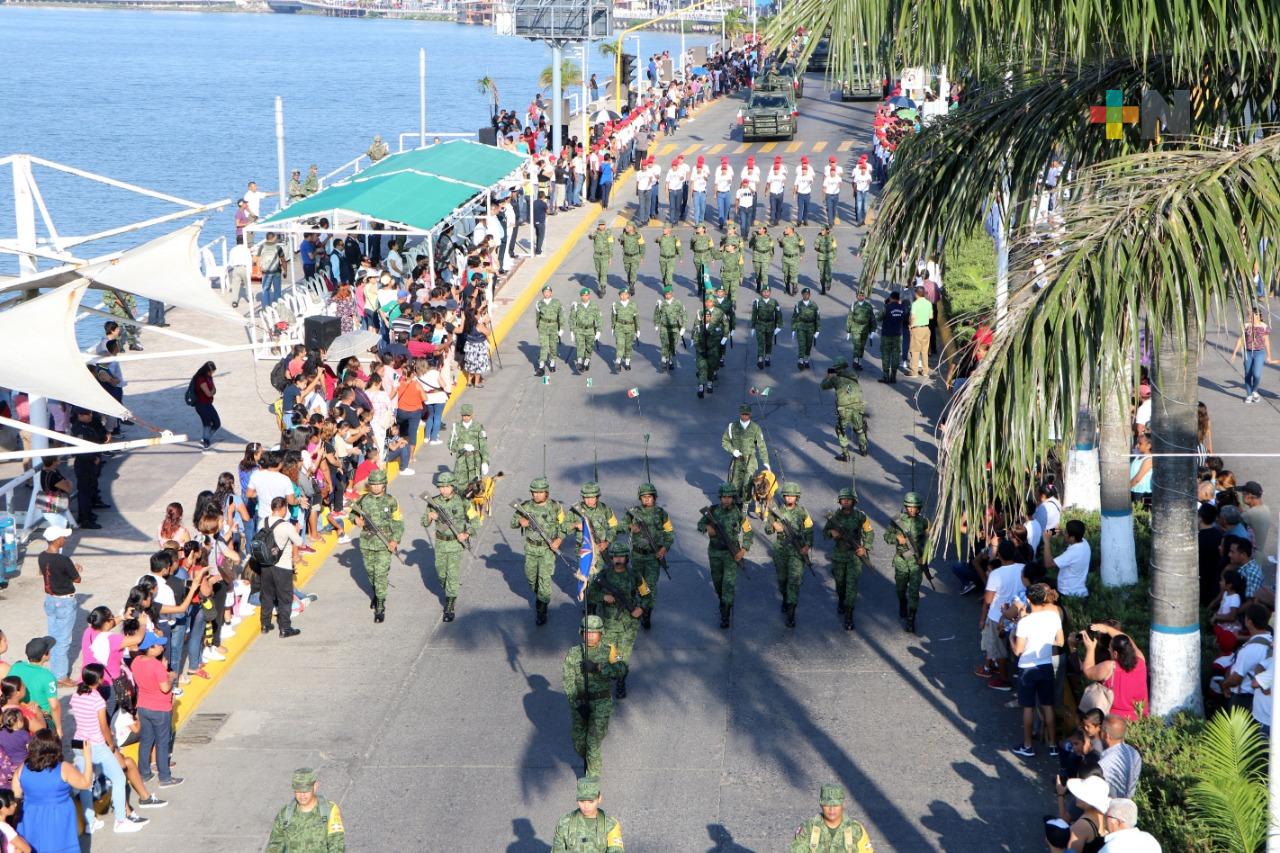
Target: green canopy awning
x=420, y=202
x=459, y=159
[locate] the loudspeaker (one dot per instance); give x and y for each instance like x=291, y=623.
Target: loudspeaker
x=487, y=135
x=319, y=332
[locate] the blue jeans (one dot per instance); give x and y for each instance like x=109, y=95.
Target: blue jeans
x=157, y=731
x=190, y=652
x=105, y=760
x=409, y=421
x=270, y=287
x=775, y=207
x=60, y=616
x=209, y=421
x=802, y=208
x=1253, y=361
x=434, y=411
x=722, y=208
x=860, y=206
x=673, y=206
x=642, y=208
x=604, y=193
x=699, y=206
x=744, y=220
x=177, y=643
x=965, y=573
x=832, y=200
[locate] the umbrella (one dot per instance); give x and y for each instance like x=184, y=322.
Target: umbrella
x=352, y=343
x=604, y=116
x=698, y=70
x=909, y=115
x=901, y=101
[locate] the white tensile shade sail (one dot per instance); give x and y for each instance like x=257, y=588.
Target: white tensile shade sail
x=40, y=336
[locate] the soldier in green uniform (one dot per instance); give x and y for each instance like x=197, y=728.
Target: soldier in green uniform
x=709, y=339
x=788, y=557
x=585, y=324
x=651, y=537
x=590, y=667
x=825, y=248
x=732, y=265
x=124, y=306
x=539, y=556
x=295, y=187
x=907, y=533
x=729, y=309
x=451, y=536
x=792, y=246
x=549, y=315
x=805, y=326
x=469, y=444
x=762, y=248
x=669, y=251
x=859, y=326
x=851, y=530
x=309, y=824
x=703, y=249
x=624, y=316
x=726, y=552
x=766, y=322
x=587, y=829
x=669, y=322
x=850, y=407
x=831, y=831
x=632, y=253
x=602, y=254
x=380, y=509
x=731, y=237
x=744, y=441
x=604, y=524
x=377, y=150
x=311, y=185
x=618, y=595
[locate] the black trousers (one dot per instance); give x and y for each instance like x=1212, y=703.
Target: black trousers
x=540, y=232
x=86, y=486
x=276, y=593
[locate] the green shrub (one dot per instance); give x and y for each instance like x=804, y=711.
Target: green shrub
x=1129, y=605
x=970, y=278
x=1229, y=798
x=1170, y=752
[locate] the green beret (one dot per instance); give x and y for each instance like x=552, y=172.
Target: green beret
x=539, y=484
x=831, y=794
x=445, y=478
x=591, y=489
x=303, y=779
x=379, y=476
x=592, y=623
x=588, y=788
x=467, y=409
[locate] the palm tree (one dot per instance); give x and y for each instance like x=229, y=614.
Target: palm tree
x=609, y=49
x=486, y=85
x=736, y=22
x=1230, y=794
x=570, y=75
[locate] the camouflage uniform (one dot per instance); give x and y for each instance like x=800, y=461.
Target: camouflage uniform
x=632, y=254
x=590, y=693
x=766, y=320
x=669, y=322
x=787, y=555
x=805, y=325
x=825, y=248
x=850, y=408
x=814, y=836
x=469, y=444
x=124, y=306
x=604, y=524
x=669, y=251
x=708, y=334
x=585, y=323
x=549, y=316
x=651, y=535
x=319, y=830
x=732, y=264
x=762, y=247
x=745, y=443
x=624, y=316
x=792, y=246
x=601, y=254
x=384, y=512
x=539, y=559
x=576, y=833
x=908, y=562
x=736, y=527
x=859, y=325
x=614, y=594
x=850, y=529
x=703, y=249
x=448, y=547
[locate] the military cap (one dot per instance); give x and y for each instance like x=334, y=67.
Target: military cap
x=467, y=409
x=600, y=224
x=831, y=794
x=588, y=788
x=727, y=490
x=592, y=623
x=445, y=478
x=744, y=409
x=719, y=288
x=646, y=489
x=847, y=494
x=666, y=289
x=378, y=477
x=584, y=291
x=790, y=490
x=591, y=489
x=764, y=288
x=545, y=288
x=912, y=499
x=839, y=363
x=539, y=484
x=618, y=548
x=805, y=290
x=303, y=779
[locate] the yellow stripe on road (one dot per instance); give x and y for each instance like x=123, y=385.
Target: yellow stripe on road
x=845, y=146
x=819, y=145
x=691, y=149
x=767, y=147
x=667, y=149
x=716, y=149
x=794, y=147
x=742, y=149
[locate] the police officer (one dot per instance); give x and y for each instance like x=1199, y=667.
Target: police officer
x=601, y=253
x=792, y=246
x=805, y=327
x=729, y=538
x=850, y=407
x=709, y=338
x=859, y=326
x=766, y=322
x=624, y=316
x=703, y=249
x=469, y=444
x=619, y=596
x=549, y=315
x=604, y=524
x=455, y=521
x=851, y=531
x=831, y=831
x=539, y=555
x=825, y=248
x=87, y=425
x=632, y=253
x=669, y=251
x=907, y=533
x=762, y=248
x=587, y=829
x=669, y=322
x=651, y=537
x=789, y=553
x=309, y=824
x=585, y=323
x=589, y=670
x=377, y=509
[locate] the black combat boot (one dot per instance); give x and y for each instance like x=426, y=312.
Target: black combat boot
x=911, y=622
x=791, y=616
x=541, y=610
x=848, y=619
x=726, y=612
x=839, y=607
x=842, y=456
x=759, y=364
x=448, y=609
x=902, y=606
x=646, y=619
x=539, y=370
x=380, y=612
x=702, y=391
x=290, y=632
x=620, y=691
x=373, y=602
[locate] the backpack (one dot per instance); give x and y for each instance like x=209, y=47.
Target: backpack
x=190, y=396
x=264, y=549
x=280, y=375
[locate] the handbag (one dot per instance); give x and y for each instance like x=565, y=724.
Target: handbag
x=1097, y=695
x=53, y=501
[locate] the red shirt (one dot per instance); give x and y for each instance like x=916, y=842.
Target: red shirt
x=205, y=389
x=148, y=673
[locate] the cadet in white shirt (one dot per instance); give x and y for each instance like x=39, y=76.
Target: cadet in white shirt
x=698, y=179
x=745, y=205
x=832, y=177
x=675, y=189
x=861, y=178
x=805, y=177
x=724, y=191
x=644, y=181
x=776, y=181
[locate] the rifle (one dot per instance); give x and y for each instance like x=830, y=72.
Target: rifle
x=377, y=534
x=928, y=573
x=795, y=540
x=542, y=534
x=442, y=516
x=722, y=537
x=647, y=539
x=621, y=597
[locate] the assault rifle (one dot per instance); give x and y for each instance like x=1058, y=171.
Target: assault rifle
x=647, y=538
x=794, y=539
x=442, y=517
x=378, y=534
x=722, y=537
x=542, y=534
x=928, y=573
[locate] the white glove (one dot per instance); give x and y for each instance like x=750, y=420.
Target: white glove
x=736, y=453
x=637, y=334
x=793, y=335
x=682, y=332
x=561, y=334
x=767, y=468
x=872, y=338
x=724, y=341
x=469, y=447
x=655, y=329
x=848, y=336
x=597, y=336
x=775, y=331
x=815, y=335
x=484, y=469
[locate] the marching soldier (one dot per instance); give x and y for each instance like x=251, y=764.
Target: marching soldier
x=732, y=265
x=587, y=829
x=625, y=318
x=549, y=314
x=907, y=533
x=825, y=248
x=850, y=407
x=744, y=441
x=539, y=555
x=590, y=667
x=766, y=322
x=469, y=444
x=805, y=326
x=602, y=254
x=859, y=326
x=604, y=524
x=651, y=537
x=309, y=824
x=729, y=538
x=709, y=339
x=831, y=831
x=851, y=531
x=788, y=556
x=762, y=247
x=632, y=253
x=619, y=596
x=452, y=532
x=792, y=246
x=377, y=509
x=669, y=322
x=585, y=324
x=732, y=237
x=669, y=251
x=703, y=249
x=727, y=307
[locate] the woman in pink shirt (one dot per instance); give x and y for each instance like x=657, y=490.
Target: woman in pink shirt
x=101, y=644
x=171, y=527
x=1125, y=674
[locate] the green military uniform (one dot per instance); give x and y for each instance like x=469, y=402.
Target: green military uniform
x=815, y=836
x=825, y=248
x=602, y=254
x=703, y=249
x=311, y=185
x=539, y=559
x=744, y=441
x=788, y=558
x=632, y=253
x=383, y=512
x=669, y=251
x=614, y=594
x=589, y=689
x=295, y=188
x=728, y=308
x=850, y=408
x=766, y=320
x=669, y=322
x=792, y=246
x=624, y=316
x=577, y=833
x=732, y=521
x=549, y=316
x=319, y=830
x=604, y=524
x=377, y=150
x=851, y=530
x=469, y=444
x=908, y=564
x=731, y=237
x=762, y=247
x=732, y=265
x=124, y=306
x=709, y=338
x=585, y=324
x=805, y=325
x=859, y=325
x=461, y=515
x=651, y=535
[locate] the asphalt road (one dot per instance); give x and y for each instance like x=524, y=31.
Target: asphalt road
x=444, y=737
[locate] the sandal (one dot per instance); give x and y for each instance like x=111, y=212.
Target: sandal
x=200, y=673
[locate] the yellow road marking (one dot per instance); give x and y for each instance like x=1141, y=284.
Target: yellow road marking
x=819, y=145
x=767, y=147
x=793, y=147
x=716, y=149
x=667, y=149
x=691, y=149
x=742, y=148
x=845, y=146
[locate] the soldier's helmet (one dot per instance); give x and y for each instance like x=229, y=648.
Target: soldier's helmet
x=790, y=490
x=600, y=224
x=445, y=478
x=378, y=477
x=540, y=484
x=912, y=499
x=647, y=489
x=728, y=491
x=591, y=489
x=618, y=548
x=592, y=623
x=847, y=494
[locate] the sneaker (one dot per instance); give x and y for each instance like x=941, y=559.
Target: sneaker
x=1053, y=752
x=172, y=783
x=200, y=673
x=213, y=654
x=968, y=588
x=93, y=826
x=130, y=825
x=437, y=441
x=1024, y=751
x=983, y=672
x=152, y=802
x=344, y=539
x=999, y=683
x=177, y=691
x=404, y=472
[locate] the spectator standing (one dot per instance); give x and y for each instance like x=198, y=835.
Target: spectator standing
x=171, y=527
x=1263, y=682
x=272, y=263
x=243, y=219
x=92, y=727
x=436, y=388
x=1003, y=584
x=155, y=709
x=1257, y=515
x=1255, y=339
x=539, y=222
x=1073, y=562
x=1140, y=469
x=606, y=180
x=277, y=578
x=921, y=317
x=44, y=784
x=40, y=683
x=60, y=576
x=204, y=390
x=1240, y=557
x=1125, y=674
x=1034, y=639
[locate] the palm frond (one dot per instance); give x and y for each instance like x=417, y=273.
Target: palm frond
x=1230, y=796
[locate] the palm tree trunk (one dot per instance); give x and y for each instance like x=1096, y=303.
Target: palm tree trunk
x=1119, y=563
x=1082, y=461
x=1175, y=612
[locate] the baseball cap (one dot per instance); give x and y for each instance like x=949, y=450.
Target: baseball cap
x=55, y=532
x=39, y=647
x=1057, y=832
x=151, y=639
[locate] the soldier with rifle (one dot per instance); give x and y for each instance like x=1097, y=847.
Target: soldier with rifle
x=724, y=524
x=454, y=518
x=618, y=595
x=542, y=522
x=794, y=527
x=851, y=530
x=907, y=532
x=590, y=667
x=378, y=515
x=604, y=523
x=651, y=537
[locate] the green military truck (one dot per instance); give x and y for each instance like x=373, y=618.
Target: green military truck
x=769, y=113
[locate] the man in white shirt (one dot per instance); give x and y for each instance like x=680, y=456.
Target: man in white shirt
x=593, y=175
x=724, y=191
x=1123, y=835
x=579, y=164
x=254, y=197
x=861, y=177
x=1263, y=681
x=832, y=177
x=1073, y=563
x=776, y=181
x=1237, y=687
x=675, y=189
x=644, y=180
x=267, y=483
x=655, y=178
x=1003, y=584
x=805, y=176
x=745, y=205
x=239, y=269
x=1034, y=638
x=751, y=174
x=698, y=179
